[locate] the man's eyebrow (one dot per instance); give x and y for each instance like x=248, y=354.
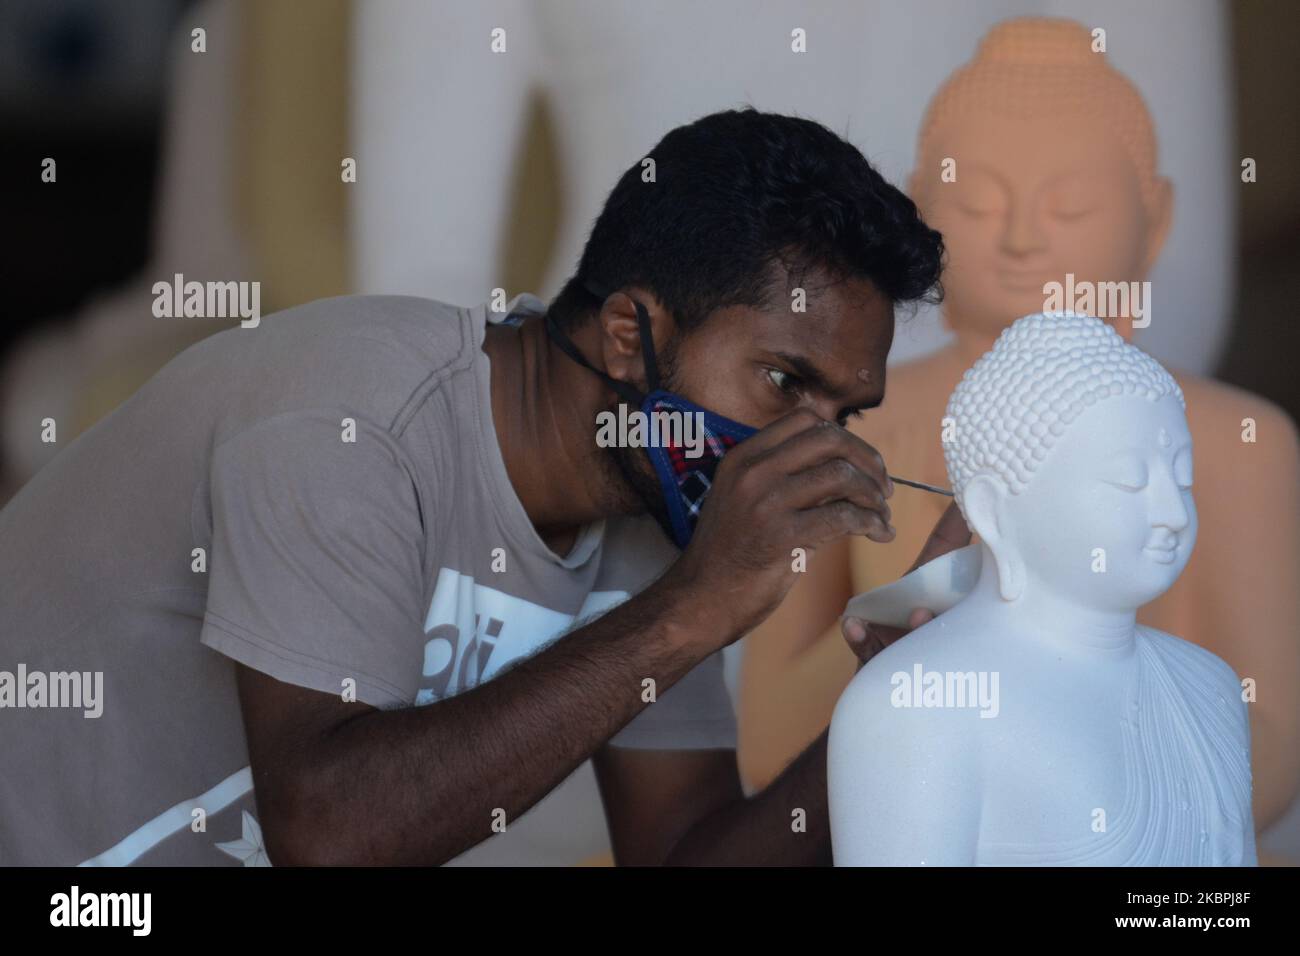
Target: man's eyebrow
x=811, y=374
x=807, y=371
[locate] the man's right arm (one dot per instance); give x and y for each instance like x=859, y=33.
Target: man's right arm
x=345, y=783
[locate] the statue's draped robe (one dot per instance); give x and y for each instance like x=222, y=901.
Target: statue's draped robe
x=1186, y=772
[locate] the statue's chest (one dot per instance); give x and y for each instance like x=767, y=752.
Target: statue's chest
x=1141, y=783
x=1059, y=783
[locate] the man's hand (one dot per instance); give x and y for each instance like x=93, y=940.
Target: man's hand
x=798, y=483
x=867, y=639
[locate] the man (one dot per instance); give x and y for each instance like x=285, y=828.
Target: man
x=322, y=565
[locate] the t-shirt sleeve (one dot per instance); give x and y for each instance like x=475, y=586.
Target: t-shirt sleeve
x=696, y=713
x=315, y=565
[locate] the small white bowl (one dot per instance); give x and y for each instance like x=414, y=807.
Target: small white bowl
x=936, y=587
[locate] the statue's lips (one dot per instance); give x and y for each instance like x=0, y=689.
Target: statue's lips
x=1162, y=545
x=1021, y=281
x=1165, y=555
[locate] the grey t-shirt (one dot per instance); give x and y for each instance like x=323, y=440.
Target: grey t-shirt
x=321, y=498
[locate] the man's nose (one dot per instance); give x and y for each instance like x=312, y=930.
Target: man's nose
x=826, y=409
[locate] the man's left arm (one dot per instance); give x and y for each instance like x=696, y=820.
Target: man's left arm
x=686, y=807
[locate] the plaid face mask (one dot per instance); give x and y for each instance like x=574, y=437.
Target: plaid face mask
x=685, y=481
x=684, y=477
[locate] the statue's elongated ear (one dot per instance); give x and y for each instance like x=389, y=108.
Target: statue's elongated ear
x=985, y=501
x=1160, y=216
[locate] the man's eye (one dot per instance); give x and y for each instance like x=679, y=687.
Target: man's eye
x=783, y=380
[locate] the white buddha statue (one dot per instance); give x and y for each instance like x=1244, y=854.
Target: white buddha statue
x=1035, y=722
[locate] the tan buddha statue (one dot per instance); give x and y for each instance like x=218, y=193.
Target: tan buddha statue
x=1037, y=162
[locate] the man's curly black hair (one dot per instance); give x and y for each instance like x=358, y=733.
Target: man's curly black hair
x=737, y=193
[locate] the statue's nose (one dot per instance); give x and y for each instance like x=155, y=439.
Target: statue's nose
x=1169, y=508
x=1021, y=234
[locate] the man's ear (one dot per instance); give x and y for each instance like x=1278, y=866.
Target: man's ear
x=620, y=334
x=985, y=499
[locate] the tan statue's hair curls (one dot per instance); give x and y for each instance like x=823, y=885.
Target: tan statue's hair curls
x=1035, y=66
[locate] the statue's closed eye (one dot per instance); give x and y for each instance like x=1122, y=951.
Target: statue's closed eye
x=1072, y=205
x=978, y=207
x=1069, y=213
x=1127, y=475
x=980, y=197
x=1074, y=199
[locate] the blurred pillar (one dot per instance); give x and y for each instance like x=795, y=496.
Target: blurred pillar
x=292, y=125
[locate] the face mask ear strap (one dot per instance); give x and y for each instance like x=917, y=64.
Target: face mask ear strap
x=647, y=346
x=625, y=391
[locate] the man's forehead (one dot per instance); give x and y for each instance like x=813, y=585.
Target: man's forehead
x=841, y=332
x=848, y=347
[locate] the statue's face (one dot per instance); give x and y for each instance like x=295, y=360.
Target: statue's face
x=1033, y=200
x=1114, y=493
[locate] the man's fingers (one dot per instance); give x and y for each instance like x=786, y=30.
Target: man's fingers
x=777, y=433
x=918, y=617
x=855, y=630
x=833, y=480
x=837, y=518
x=813, y=446
x=949, y=534
x=868, y=640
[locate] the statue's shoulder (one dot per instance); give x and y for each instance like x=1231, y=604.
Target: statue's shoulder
x=908, y=663
x=868, y=691
x=1222, y=407
x=1196, y=667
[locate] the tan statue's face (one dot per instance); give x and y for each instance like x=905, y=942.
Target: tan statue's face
x=1032, y=201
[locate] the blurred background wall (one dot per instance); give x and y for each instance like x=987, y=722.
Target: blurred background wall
x=478, y=169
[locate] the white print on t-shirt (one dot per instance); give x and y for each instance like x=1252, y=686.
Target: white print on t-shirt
x=249, y=849
x=474, y=631
x=144, y=838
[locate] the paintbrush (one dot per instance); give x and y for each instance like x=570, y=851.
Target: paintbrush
x=920, y=484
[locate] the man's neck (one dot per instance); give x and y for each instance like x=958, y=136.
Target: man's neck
x=544, y=410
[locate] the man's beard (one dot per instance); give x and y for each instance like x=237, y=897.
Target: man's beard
x=632, y=466
x=631, y=469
